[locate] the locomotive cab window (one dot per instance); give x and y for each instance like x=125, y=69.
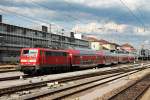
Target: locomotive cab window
x=25, y=52
x=30, y=52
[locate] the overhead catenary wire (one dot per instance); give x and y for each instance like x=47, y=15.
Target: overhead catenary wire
x=138, y=9
x=20, y=15
x=44, y=6
x=141, y=15
x=39, y=20
x=68, y=15
x=103, y=28
x=131, y=12
x=28, y=18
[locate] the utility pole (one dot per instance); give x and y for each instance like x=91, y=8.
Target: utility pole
x=50, y=28
x=142, y=53
x=50, y=36
x=62, y=37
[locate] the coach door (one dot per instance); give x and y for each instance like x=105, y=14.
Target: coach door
x=42, y=57
x=67, y=59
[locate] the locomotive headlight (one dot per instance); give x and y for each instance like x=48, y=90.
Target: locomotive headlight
x=32, y=60
x=23, y=60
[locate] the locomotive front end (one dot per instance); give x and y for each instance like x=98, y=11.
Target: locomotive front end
x=29, y=60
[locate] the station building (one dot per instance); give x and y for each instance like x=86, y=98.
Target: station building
x=13, y=38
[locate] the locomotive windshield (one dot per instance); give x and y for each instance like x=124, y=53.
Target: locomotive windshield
x=30, y=52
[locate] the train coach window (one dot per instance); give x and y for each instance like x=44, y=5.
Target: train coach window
x=54, y=53
x=59, y=54
x=64, y=54
x=48, y=53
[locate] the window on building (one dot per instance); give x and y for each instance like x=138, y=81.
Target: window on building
x=3, y=27
x=24, y=31
x=36, y=33
x=44, y=35
x=8, y=28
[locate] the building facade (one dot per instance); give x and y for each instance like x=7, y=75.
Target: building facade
x=96, y=46
x=13, y=38
x=128, y=47
x=101, y=44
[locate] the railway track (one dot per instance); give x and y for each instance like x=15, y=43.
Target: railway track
x=27, y=88
x=42, y=80
x=68, y=88
x=7, y=69
x=135, y=91
x=83, y=85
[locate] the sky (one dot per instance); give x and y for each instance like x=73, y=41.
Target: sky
x=120, y=21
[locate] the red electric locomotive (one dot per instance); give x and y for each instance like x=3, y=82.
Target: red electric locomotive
x=39, y=60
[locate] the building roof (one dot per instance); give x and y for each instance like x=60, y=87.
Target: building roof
x=101, y=41
x=127, y=45
x=91, y=38
x=107, y=42
x=116, y=44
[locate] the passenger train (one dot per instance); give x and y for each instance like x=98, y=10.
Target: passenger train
x=41, y=60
